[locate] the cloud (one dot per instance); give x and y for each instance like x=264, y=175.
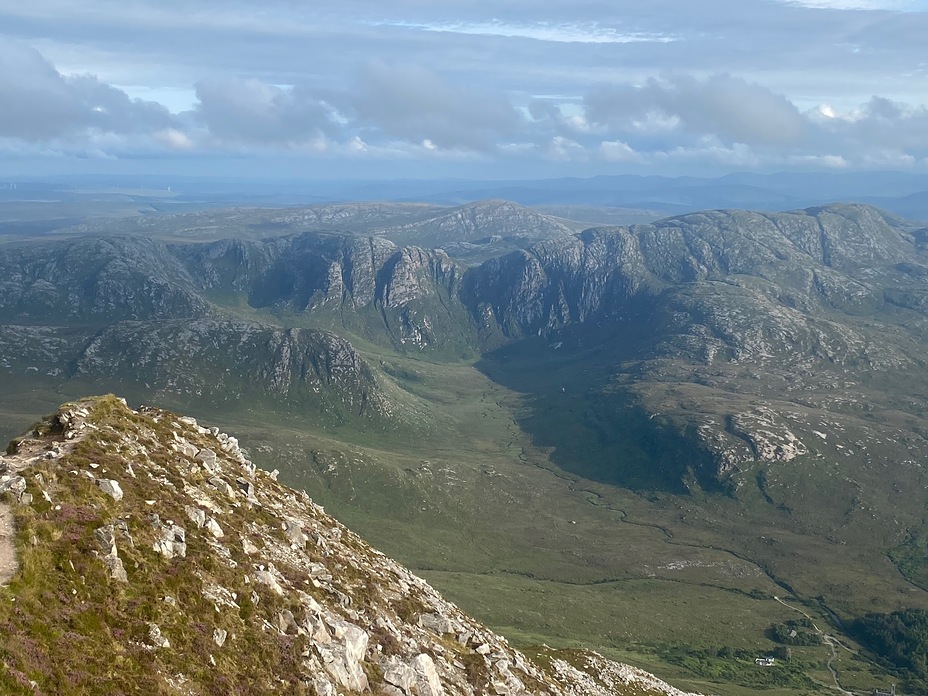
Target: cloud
x=728, y=107
x=891, y=5
x=410, y=110
x=565, y=150
x=174, y=139
x=415, y=104
x=40, y=104
x=250, y=111
x=617, y=151
x=821, y=161
x=880, y=131
x=557, y=32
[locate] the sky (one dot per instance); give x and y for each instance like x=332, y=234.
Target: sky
x=476, y=89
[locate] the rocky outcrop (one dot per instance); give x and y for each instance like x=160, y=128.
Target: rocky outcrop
x=94, y=280
x=285, y=599
x=194, y=359
x=836, y=258
x=711, y=315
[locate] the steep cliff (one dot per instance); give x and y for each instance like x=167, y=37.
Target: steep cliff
x=403, y=297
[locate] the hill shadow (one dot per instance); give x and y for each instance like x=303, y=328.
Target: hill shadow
x=576, y=405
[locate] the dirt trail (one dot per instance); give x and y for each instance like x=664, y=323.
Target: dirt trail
x=69, y=427
x=8, y=563
x=833, y=644
x=11, y=465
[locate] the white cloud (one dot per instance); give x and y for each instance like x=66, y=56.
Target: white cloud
x=415, y=104
x=175, y=139
x=820, y=161
x=737, y=156
x=720, y=105
x=617, y=151
x=578, y=32
x=251, y=111
x=824, y=111
x=561, y=93
x=565, y=150
x=890, y=5
x=39, y=103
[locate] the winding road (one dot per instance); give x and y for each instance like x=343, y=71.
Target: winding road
x=832, y=643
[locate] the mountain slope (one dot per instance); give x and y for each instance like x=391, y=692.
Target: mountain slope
x=732, y=302
x=155, y=558
x=736, y=304
x=96, y=281
x=402, y=297
x=822, y=313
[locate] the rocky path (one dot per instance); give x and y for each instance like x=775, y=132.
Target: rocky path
x=8, y=564
x=27, y=452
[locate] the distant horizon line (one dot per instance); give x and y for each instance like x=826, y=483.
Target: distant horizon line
x=180, y=177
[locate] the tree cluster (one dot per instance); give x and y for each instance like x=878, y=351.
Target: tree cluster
x=899, y=639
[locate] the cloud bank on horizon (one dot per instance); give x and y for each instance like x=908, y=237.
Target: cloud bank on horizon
x=512, y=89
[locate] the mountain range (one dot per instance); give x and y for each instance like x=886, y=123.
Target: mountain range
x=47, y=206
x=741, y=391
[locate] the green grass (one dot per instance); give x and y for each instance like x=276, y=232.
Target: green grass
x=476, y=493
x=487, y=518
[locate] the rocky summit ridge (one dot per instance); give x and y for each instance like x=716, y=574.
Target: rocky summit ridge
x=151, y=556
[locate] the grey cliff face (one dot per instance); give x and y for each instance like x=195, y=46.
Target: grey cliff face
x=94, y=280
x=194, y=358
x=366, y=285
x=816, y=261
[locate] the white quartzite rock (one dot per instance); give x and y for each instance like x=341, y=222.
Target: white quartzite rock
x=116, y=568
x=436, y=623
x=222, y=486
x=154, y=635
x=418, y=676
x=184, y=447
x=266, y=577
x=196, y=515
x=16, y=485
x=294, y=531
x=106, y=539
x=342, y=658
x=213, y=527
x=173, y=542
x=427, y=679
x=207, y=458
x=111, y=488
